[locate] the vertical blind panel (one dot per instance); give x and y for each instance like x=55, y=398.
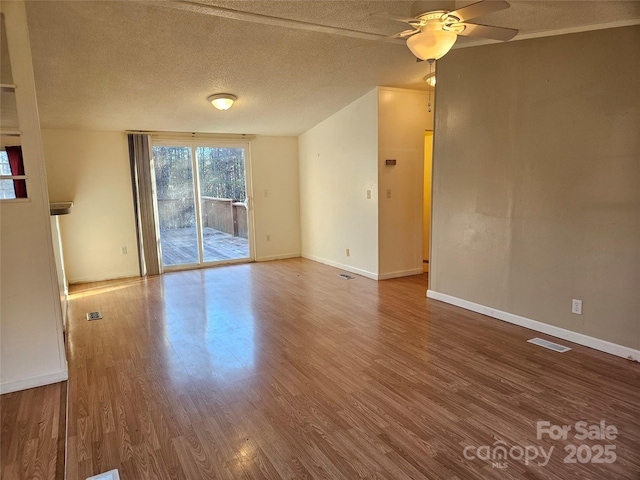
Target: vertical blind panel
x=140, y=157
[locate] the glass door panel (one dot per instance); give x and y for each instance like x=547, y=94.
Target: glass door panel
x=176, y=205
x=223, y=204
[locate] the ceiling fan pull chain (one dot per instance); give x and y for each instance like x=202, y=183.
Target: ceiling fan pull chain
x=431, y=60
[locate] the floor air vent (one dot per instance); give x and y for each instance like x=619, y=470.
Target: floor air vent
x=550, y=345
x=94, y=316
x=345, y=276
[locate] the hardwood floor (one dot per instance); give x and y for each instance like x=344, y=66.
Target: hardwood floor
x=285, y=370
x=33, y=433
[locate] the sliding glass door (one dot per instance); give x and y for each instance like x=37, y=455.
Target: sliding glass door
x=202, y=203
x=223, y=203
x=176, y=200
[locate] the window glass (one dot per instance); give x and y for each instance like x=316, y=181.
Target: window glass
x=5, y=169
x=7, y=190
x=11, y=188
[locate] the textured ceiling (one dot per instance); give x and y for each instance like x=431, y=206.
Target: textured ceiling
x=136, y=65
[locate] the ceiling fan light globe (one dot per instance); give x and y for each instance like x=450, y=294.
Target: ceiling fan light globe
x=431, y=44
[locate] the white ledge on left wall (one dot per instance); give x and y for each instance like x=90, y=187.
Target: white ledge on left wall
x=33, y=382
x=575, y=337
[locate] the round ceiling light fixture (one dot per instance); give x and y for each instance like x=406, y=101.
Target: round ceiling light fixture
x=222, y=101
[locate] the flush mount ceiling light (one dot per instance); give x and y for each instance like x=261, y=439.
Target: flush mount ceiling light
x=222, y=101
x=431, y=79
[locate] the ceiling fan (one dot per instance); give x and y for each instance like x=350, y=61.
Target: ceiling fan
x=433, y=33
x=431, y=36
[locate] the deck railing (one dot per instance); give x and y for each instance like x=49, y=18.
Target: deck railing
x=223, y=214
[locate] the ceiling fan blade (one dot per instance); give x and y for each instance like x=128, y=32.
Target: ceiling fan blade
x=398, y=38
x=478, y=9
x=389, y=16
x=486, y=31
x=405, y=33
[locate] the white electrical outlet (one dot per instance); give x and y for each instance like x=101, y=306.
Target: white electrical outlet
x=268, y=238
x=576, y=306
x=368, y=194
x=348, y=253
x=389, y=193
x=123, y=250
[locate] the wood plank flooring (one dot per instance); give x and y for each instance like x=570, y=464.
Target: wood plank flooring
x=284, y=370
x=33, y=433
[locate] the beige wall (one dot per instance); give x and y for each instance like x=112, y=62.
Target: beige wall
x=91, y=169
x=338, y=165
x=536, y=180
x=31, y=346
x=403, y=117
x=274, y=164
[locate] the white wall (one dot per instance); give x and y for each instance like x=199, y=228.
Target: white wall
x=31, y=347
x=91, y=169
x=276, y=200
x=403, y=117
x=338, y=164
x=536, y=182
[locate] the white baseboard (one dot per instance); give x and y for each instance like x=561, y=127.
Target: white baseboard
x=348, y=268
x=101, y=278
x=32, y=382
x=575, y=337
x=401, y=273
x=283, y=256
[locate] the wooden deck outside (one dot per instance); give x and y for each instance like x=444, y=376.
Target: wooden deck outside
x=180, y=246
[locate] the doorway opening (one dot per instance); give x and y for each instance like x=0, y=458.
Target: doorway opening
x=426, y=227
x=201, y=194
